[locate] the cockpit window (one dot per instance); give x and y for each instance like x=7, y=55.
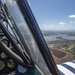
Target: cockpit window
x=22, y=29
x=57, y=22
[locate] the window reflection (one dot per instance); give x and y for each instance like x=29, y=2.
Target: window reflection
x=26, y=34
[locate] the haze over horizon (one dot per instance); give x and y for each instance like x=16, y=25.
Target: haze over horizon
x=54, y=14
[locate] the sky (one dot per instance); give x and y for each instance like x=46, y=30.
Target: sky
x=54, y=14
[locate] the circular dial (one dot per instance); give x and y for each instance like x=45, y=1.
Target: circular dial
x=2, y=65
x=3, y=55
x=11, y=64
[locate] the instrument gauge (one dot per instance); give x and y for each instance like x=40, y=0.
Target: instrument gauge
x=11, y=64
x=3, y=55
x=2, y=65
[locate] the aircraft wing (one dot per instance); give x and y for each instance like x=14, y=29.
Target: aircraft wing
x=67, y=68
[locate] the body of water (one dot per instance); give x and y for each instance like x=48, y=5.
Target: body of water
x=54, y=37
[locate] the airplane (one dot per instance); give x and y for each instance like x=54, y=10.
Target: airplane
x=23, y=49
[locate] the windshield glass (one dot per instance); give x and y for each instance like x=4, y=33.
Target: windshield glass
x=26, y=35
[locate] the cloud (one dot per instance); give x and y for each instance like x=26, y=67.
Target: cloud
x=72, y=22
x=60, y=26
x=10, y=1
x=3, y=1
x=52, y=26
x=71, y=16
x=62, y=23
x=47, y=27
x=29, y=2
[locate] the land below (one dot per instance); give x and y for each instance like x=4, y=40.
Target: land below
x=62, y=48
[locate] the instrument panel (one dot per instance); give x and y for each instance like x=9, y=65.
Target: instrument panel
x=7, y=65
